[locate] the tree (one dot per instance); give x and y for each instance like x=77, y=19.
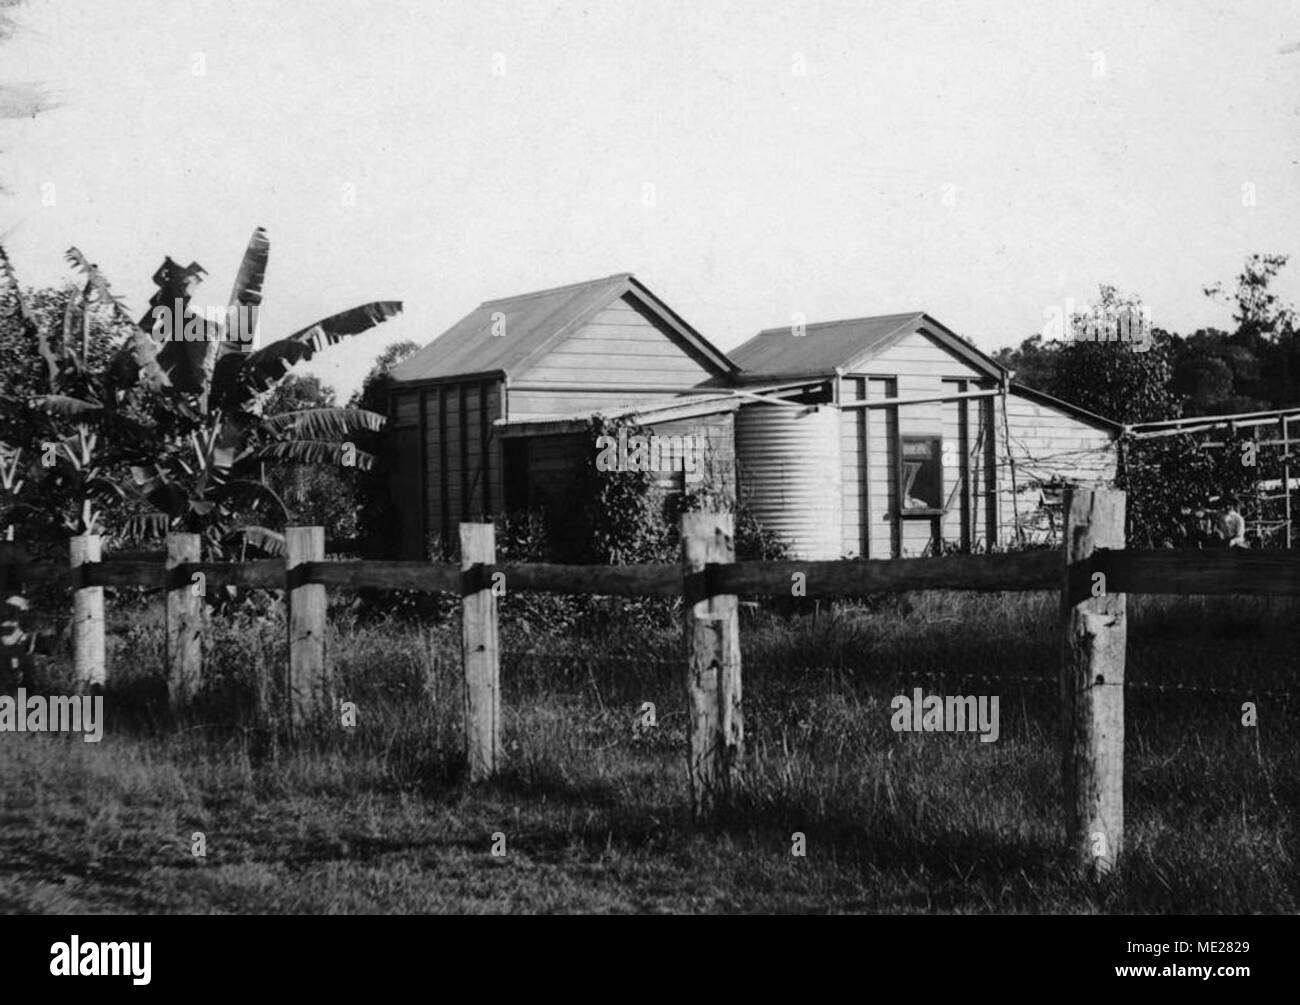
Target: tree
x=1258, y=311
x=373, y=393
x=322, y=495
x=1034, y=363
x=1117, y=379
x=187, y=413
x=375, y=517
x=1130, y=384
x=67, y=352
x=1265, y=347
x=1212, y=375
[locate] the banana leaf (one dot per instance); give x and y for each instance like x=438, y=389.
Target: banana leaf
x=62, y=404
x=324, y=423
x=267, y=540
x=146, y=526
x=137, y=360
x=245, y=493
x=309, y=452
x=237, y=378
x=30, y=328
x=247, y=291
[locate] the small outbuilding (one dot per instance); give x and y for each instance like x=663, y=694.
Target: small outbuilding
x=492, y=416
x=909, y=441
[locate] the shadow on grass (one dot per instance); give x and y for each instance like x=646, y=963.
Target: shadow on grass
x=978, y=858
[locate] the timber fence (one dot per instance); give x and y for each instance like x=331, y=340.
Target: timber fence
x=1093, y=574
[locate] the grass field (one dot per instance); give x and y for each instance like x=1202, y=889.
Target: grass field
x=592, y=810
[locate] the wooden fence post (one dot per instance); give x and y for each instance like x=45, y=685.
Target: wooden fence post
x=184, y=622
x=715, y=731
x=480, y=656
x=1094, y=631
x=88, y=660
x=310, y=687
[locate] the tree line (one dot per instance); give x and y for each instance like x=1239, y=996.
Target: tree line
x=1254, y=367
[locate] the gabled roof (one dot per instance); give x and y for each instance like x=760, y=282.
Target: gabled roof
x=533, y=323
x=779, y=354
x=1061, y=405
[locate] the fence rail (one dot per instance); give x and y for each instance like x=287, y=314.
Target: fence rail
x=1215, y=572
x=1093, y=574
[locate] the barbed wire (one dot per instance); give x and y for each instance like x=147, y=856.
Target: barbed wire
x=1293, y=654
x=1245, y=690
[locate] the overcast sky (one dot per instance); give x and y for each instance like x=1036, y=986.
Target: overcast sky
x=981, y=162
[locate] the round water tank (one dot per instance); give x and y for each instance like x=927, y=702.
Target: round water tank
x=788, y=462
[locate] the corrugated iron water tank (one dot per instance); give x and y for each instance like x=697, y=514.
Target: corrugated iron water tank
x=788, y=462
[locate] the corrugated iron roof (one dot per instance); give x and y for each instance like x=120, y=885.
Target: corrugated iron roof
x=532, y=323
x=777, y=353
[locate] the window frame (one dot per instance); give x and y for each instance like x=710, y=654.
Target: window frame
x=935, y=442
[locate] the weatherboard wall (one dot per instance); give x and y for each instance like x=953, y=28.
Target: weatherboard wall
x=914, y=367
x=622, y=356
x=1046, y=443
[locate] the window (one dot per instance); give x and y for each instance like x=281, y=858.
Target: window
x=921, y=472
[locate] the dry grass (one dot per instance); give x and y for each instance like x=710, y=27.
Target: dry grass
x=377, y=819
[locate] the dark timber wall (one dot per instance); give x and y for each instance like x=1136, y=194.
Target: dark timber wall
x=449, y=461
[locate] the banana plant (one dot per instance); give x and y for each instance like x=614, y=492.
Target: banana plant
x=184, y=411
x=11, y=485
x=209, y=476
x=71, y=478
x=194, y=487
x=89, y=489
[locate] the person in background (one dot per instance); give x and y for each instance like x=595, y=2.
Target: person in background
x=1232, y=525
x=1204, y=532
x=14, y=643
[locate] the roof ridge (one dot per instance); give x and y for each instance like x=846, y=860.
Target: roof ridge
x=847, y=321
x=560, y=289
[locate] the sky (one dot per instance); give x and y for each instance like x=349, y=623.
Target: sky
x=752, y=163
